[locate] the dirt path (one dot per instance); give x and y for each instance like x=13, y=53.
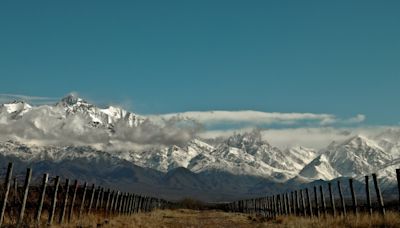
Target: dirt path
x=187, y=218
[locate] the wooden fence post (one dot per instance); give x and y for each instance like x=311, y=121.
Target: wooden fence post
x=293, y=203
x=25, y=197
x=41, y=199
x=131, y=204
x=288, y=203
x=54, y=201
x=303, y=203
x=297, y=202
x=137, y=203
x=279, y=204
x=14, y=205
x=378, y=194
x=129, y=212
x=6, y=191
x=65, y=202
x=332, y=199
x=309, y=203
x=124, y=203
x=71, y=207
x=343, y=204
x=369, y=206
x=103, y=192
x=99, y=191
x=274, y=206
x=117, y=198
x=108, y=200
x=323, y=203
x=353, y=197
x=121, y=201
x=82, y=207
x=91, y=198
x=316, y=201
x=128, y=204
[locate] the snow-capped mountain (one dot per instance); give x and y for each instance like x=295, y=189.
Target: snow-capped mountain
x=74, y=129
x=105, y=117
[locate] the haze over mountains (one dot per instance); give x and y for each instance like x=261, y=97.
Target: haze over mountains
x=114, y=147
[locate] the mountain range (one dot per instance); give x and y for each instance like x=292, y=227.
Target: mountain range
x=114, y=147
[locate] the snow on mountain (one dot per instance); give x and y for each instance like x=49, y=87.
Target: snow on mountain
x=17, y=107
x=389, y=140
x=240, y=154
x=355, y=156
x=319, y=168
x=105, y=117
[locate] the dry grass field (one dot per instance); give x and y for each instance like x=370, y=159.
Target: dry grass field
x=193, y=218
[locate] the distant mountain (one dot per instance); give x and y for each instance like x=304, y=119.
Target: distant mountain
x=80, y=140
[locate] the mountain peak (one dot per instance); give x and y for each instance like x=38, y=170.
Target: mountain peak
x=72, y=99
x=245, y=139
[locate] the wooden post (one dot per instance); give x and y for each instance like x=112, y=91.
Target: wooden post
x=316, y=201
x=14, y=205
x=65, y=202
x=25, y=197
x=71, y=207
x=41, y=199
x=53, y=201
x=117, y=197
x=293, y=203
x=288, y=204
x=369, y=206
x=91, y=199
x=297, y=202
x=273, y=206
x=108, y=200
x=378, y=194
x=398, y=184
x=103, y=193
x=131, y=204
x=323, y=204
x=278, y=204
x=343, y=204
x=332, y=199
x=6, y=191
x=139, y=206
x=303, y=204
x=124, y=202
x=353, y=197
x=137, y=197
x=128, y=201
x=121, y=202
x=309, y=203
x=99, y=192
x=82, y=207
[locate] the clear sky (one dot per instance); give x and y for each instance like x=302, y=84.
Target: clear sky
x=336, y=57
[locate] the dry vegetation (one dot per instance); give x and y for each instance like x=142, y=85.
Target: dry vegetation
x=210, y=218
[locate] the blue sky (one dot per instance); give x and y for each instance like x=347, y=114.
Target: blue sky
x=335, y=57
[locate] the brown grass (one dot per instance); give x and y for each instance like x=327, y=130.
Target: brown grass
x=210, y=218
x=193, y=218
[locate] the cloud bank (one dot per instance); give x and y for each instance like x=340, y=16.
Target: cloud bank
x=257, y=118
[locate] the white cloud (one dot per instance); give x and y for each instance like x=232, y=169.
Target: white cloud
x=8, y=97
x=316, y=137
x=255, y=118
